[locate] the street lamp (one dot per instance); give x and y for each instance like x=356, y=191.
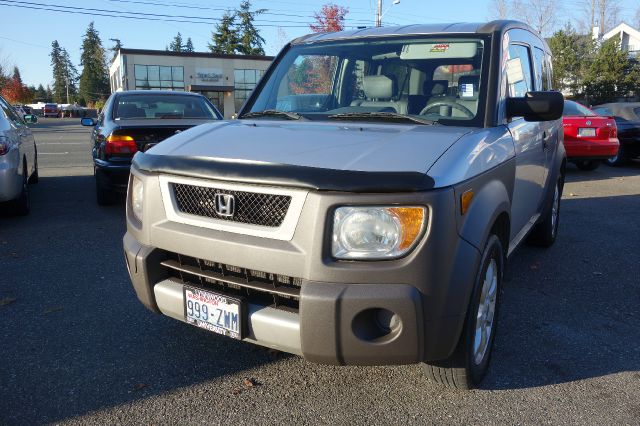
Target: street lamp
x=380, y=14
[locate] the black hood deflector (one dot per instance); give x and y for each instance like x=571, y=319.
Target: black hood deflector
x=313, y=178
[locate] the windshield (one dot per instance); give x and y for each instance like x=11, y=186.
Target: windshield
x=437, y=80
x=163, y=106
x=575, y=109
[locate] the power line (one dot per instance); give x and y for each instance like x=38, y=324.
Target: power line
x=50, y=8
x=138, y=15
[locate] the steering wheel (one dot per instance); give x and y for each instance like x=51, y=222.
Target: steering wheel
x=449, y=103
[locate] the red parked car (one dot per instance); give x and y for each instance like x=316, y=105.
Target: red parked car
x=588, y=138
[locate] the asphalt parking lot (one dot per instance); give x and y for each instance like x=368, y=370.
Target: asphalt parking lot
x=77, y=347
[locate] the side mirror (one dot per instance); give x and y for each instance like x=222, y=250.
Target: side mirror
x=536, y=106
x=30, y=118
x=87, y=122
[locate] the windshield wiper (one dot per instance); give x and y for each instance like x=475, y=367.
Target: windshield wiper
x=386, y=116
x=273, y=113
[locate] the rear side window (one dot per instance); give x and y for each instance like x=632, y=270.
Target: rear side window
x=519, y=71
x=543, y=73
x=575, y=109
x=603, y=111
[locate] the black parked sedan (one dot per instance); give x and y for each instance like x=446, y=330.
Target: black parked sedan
x=135, y=121
x=627, y=116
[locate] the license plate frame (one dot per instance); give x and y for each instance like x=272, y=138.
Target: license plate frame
x=587, y=132
x=217, y=306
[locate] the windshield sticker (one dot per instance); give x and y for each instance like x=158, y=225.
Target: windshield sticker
x=466, y=90
x=440, y=48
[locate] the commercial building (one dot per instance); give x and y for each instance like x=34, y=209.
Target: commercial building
x=225, y=79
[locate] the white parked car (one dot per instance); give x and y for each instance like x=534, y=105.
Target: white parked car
x=18, y=159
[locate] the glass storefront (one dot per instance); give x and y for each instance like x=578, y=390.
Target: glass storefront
x=157, y=77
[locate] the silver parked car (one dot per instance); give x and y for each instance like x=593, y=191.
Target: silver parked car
x=362, y=208
x=18, y=159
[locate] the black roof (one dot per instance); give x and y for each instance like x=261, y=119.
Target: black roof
x=418, y=29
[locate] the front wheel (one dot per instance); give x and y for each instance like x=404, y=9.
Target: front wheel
x=468, y=364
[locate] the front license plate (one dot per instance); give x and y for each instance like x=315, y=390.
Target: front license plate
x=587, y=132
x=214, y=312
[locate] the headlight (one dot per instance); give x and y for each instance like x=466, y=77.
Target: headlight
x=137, y=196
x=376, y=232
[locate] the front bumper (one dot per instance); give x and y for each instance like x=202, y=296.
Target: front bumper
x=428, y=290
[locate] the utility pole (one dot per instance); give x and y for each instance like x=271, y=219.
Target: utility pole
x=379, y=14
x=67, y=78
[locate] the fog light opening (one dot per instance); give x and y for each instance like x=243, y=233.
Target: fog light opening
x=376, y=325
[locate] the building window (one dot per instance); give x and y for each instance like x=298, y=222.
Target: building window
x=245, y=82
x=157, y=77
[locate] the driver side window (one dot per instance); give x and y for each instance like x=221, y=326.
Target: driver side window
x=519, y=72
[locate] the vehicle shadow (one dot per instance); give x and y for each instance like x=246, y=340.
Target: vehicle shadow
x=572, y=312
x=632, y=168
x=74, y=337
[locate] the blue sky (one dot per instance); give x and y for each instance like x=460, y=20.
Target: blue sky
x=26, y=34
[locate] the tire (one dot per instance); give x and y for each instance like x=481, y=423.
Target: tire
x=34, y=178
x=469, y=363
x=619, y=160
x=104, y=195
x=21, y=205
x=587, y=165
x=545, y=231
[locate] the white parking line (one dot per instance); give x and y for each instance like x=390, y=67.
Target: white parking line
x=62, y=143
x=52, y=153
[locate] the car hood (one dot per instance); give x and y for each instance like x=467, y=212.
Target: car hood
x=340, y=145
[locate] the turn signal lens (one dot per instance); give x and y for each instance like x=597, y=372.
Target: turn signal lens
x=411, y=220
x=120, y=144
x=465, y=201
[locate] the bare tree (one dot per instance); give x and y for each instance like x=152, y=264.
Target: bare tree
x=499, y=9
x=542, y=15
x=603, y=14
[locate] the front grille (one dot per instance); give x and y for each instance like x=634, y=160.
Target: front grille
x=257, y=287
x=250, y=207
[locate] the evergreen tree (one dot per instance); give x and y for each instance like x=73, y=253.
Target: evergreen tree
x=49, y=94
x=40, y=94
x=16, y=75
x=611, y=74
x=251, y=41
x=65, y=75
x=94, y=80
x=176, y=43
x=189, y=46
x=225, y=38
x=570, y=59
x=3, y=77
x=116, y=47
x=59, y=74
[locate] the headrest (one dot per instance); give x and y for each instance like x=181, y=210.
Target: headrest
x=379, y=87
x=129, y=111
x=435, y=87
x=468, y=87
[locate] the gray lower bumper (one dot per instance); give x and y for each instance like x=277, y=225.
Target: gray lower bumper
x=266, y=326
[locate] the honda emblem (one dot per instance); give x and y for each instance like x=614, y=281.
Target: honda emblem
x=225, y=205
